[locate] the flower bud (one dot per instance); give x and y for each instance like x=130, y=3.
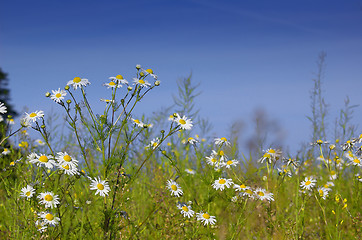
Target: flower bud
x=47, y=94
x=157, y=83
x=66, y=87
x=69, y=101
x=138, y=67
x=42, y=126
x=129, y=88
x=142, y=74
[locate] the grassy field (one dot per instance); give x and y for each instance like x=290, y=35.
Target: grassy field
x=113, y=175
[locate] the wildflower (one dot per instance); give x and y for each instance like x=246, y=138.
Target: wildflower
x=34, y=116
x=231, y=163
x=27, y=192
x=263, y=195
x=6, y=151
x=3, y=108
x=221, y=183
x=149, y=72
x=319, y=142
x=68, y=169
x=40, y=225
x=328, y=185
x=107, y=100
x=347, y=145
x=154, y=143
x=247, y=192
x=40, y=160
x=323, y=192
x=58, y=95
x=271, y=155
x=10, y=121
x=359, y=177
x=141, y=82
x=78, y=82
x=173, y=117
x=174, y=188
x=40, y=142
x=112, y=84
x=191, y=141
x=23, y=144
x=64, y=159
x=119, y=79
x=221, y=141
x=48, y=199
x=137, y=122
x=356, y=162
x=184, y=122
x=190, y=171
x=214, y=161
x=101, y=186
x=284, y=172
x=49, y=218
x=205, y=218
x=240, y=187
x=185, y=210
x=291, y=161
x=333, y=175
x=308, y=183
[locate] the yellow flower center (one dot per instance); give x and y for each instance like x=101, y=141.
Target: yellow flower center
x=261, y=194
x=119, y=77
x=65, y=167
x=181, y=121
x=321, y=192
x=112, y=84
x=229, y=162
x=308, y=182
x=100, y=186
x=174, y=187
x=266, y=155
x=242, y=186
x=206, y=216
x=223, y=139
x=319, y=141
x=32, y=115
x=48, y=197
x=190, y=139
x=43, y=158
x=222, y=181
x=248, y=191
x=141, y=81
x=77, y=79
x=333, y=172
x=221, y=153
x=58, y=95
x=149, y=71
x=27, y=194
x=49, y=216
x=67, y=158
x=12, y=163
x=154, y=144
x=213, y=160
x=356, y=160
x=136, y=121
x=185, y=208
x=271, y=151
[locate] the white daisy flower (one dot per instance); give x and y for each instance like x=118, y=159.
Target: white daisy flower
x=328, y=185
x=221, y=141
x=191, y=141
x=240, y=187
x=263, y=195
x=64, y=158
x=49, y=199
x=308, y=183
x=27, y=192
x=42, y=160
x=40, y=142
x=221, y=183
x=10, y=121
x=78, y=82
x=49, y=219
x=68, y=169
x=153, y=143
x=231, y=163
x=149, y=72
x=247, y=192
x=333, y=175
x=271, y=155
x=284, y=172
x=141, y=82
x=184, y=122
x=174, y=188
x=355, y=162
x=359, y=177
x=119, y=79
x=3, y=108
x=112, y=84
x=34, y=116
x=323, y=192
x=101, y=186
x=190, y=171
x=40, y=225
x=58, y=95
x=6, y=151
x=186, y=210
x=205, y=218
x=173, y=117
x=137, y=122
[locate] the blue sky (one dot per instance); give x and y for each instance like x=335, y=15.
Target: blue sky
x=246, y=54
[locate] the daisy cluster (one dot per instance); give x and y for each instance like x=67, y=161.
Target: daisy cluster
x=218, y=159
